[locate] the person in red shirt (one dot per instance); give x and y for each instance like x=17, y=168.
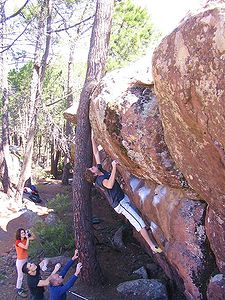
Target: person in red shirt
x=23, y=239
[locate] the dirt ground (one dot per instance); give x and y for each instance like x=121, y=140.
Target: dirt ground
x=117, y=266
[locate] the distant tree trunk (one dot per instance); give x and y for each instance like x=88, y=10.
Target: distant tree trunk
x=15, y=139
x=66, y=171
x=39, y=145
x=91, y=273
x=4, y=147
x=55, y=156
x=69, y=127
x=46, y=160
x=36, y=89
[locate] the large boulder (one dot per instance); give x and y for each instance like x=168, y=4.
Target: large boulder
x=126, y=117
x=188, y=69
x=143, y=289
x=126, y=121
x=177, y=222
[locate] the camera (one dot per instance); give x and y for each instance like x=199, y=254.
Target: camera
x=28, y=233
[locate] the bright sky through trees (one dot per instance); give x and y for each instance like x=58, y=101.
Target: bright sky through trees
x=166, y=14
x=12, y=5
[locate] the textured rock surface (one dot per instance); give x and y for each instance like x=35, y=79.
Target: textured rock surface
x=71, y=113
x=126, y=117
x=216, y=288
x=215, y=228
x=177, y=223
x=145, y=289
x=177, y=216
x=127, y=123
x=188, y=68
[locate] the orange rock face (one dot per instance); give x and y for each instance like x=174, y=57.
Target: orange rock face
x=215, y=228
x=129, y=128
x=126, y=117
x=177, y=223
x=189, y=68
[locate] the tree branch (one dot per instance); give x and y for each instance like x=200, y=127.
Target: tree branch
x=18, y=11
x=58, y=100
x=9, y=46
x=77, y=24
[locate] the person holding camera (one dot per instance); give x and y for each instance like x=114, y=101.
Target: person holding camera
x=56, y=287
x=23, y=239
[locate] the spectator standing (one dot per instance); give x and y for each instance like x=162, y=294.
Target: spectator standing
x=23, y=239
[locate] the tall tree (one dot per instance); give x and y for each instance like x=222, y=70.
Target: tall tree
x=84, y=237
x=69, y=127
x=4, y=147
x=36, y=89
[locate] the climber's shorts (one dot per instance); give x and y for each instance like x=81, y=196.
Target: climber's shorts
x=126, y=208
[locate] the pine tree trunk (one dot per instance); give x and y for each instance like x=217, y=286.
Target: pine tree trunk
x=66, y=171
x=36, y=89
x=69, y=127
x=91, y=273
x=55, y=156
x=4, y=147
x=39, y=145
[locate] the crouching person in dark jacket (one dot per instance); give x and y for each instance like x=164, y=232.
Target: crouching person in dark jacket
x=56, y=287
x=34, y=281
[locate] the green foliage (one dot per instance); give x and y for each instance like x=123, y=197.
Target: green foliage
x=2, y=276
x=19, y=87
x=53, y=86
x=54, y=83
x=54, y=92
x=52, y=240
x=131, y=33
x=29, y=11
x=20, y=80
x=61, y=205
x=58, y=238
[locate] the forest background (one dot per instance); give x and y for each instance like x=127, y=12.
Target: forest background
x=53, y=36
